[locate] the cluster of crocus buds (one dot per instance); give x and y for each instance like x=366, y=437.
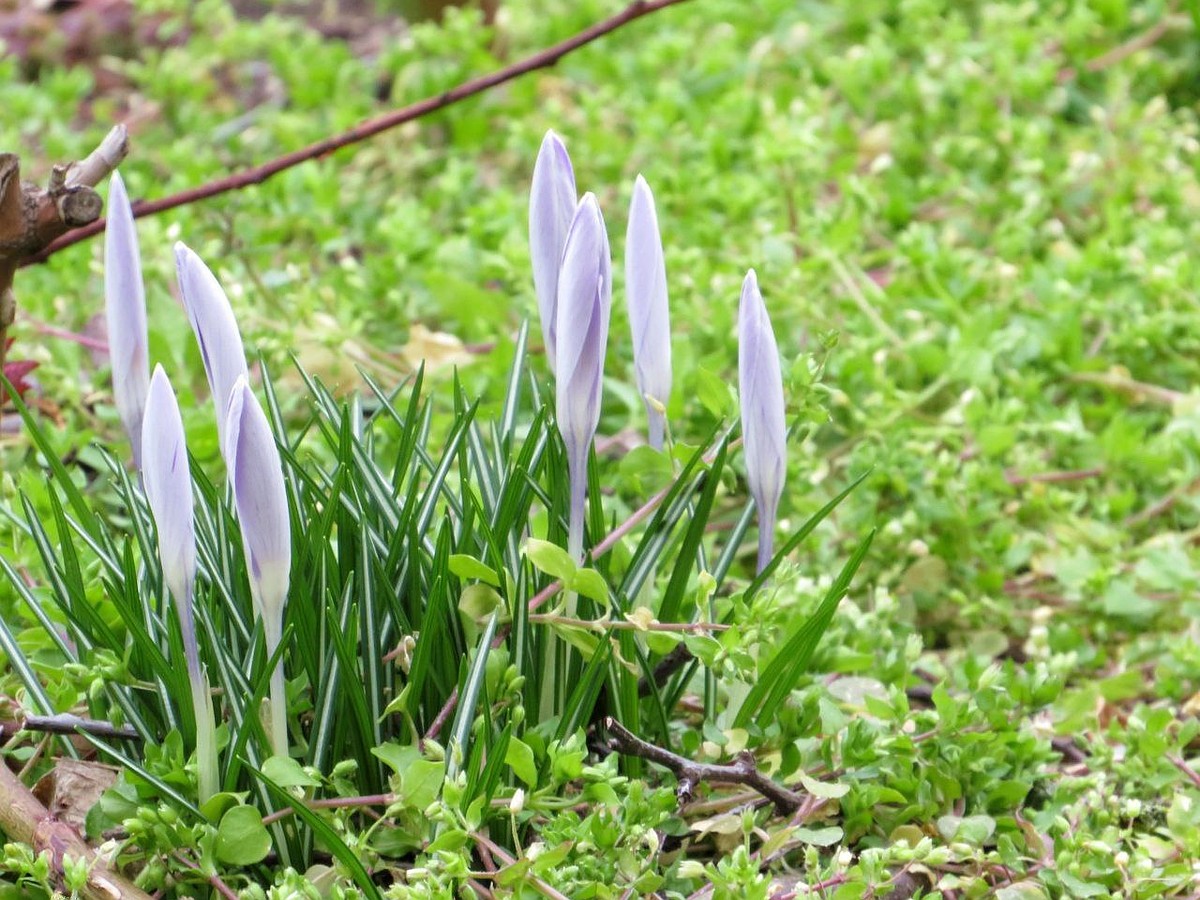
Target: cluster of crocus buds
x=150, y=413
x=572, y=275
x=252, y=462
x=583, y=307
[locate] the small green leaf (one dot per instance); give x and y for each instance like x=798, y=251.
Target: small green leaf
x=583, y=641
x=714, y=393
x=704, y=647
x=396, y=757
x=551, y=857
x=822, y=789
x=649, y=469
x=218, y=804
x=819, y=837
x=478, y=601
x=286, y=772
x=242, y=840
x=519, y=757
x=662, y=642
x=421, y=782
x=973, y=830
x=590, y=584
x=468, y=567
x=550, y=558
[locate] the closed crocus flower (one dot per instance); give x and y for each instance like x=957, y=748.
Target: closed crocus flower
x=584, y=304
x=646, y=291
x=168, y=484
x=256, y=476
x=551, y=208
x=764, y=426
x=125, y=312
x=215, y=327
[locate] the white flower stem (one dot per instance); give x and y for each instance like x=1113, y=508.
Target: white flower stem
x=273, y=631
x=578, y=478
x=208, y=782
x=656, y=422
x=553, y=689
x=206, y=732
x=766, y=535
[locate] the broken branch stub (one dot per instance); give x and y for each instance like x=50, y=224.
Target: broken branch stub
x=32, y=217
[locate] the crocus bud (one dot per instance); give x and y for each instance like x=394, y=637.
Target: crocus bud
x=216, y=330
x=256, y=475
x=125, y=311
x=168, y=483
x=551, y=208
x=584, y=303
x=259, y=495
x=764, y=426
x=646, y=290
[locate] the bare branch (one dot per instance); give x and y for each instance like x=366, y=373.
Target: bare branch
x=32, y=217
x=66, y=723
x=543, y=59
x=24, y=819
x=689, y=773
x=101, y=162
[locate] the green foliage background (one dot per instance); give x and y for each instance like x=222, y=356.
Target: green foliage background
x=995, y=217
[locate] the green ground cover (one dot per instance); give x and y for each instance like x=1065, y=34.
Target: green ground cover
x=973, y=224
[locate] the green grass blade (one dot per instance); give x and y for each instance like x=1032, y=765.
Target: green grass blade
x=784, y=670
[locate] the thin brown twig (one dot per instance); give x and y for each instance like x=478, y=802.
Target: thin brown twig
x=543, y=59
x=334, y=803
x=66, y=723
x=1162, y=505
x=1139, y=42
x=507, y=858
x=742, y=771
x=1052, y=477
x=1140, y=391
x=1192, y=775
x=213, y=879
x=618, y=625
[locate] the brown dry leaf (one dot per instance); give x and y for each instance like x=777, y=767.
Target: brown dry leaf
x=436, y=349
x=324, y=350
x=73, y=787
x=1191, y=706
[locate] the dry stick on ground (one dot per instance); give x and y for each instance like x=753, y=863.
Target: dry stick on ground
x=24, y=819
x=543, y=59
x=66, y=723
x=742, y=771
x=31, y=217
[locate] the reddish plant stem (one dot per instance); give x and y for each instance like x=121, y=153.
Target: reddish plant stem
x=334, y=803
x=1016, y=479
x=1190, y=773
x=543, y=59
x=214, y=880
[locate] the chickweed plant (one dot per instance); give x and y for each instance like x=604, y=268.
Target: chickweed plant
x=410, y=633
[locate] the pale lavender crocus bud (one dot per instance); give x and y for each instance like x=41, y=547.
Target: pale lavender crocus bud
x=646, y=290
x=125, y=312
x=764, y=425
x=551, y=207
x=260, y=497
x=584, y=304
x=168, y=484
x=215, y=327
